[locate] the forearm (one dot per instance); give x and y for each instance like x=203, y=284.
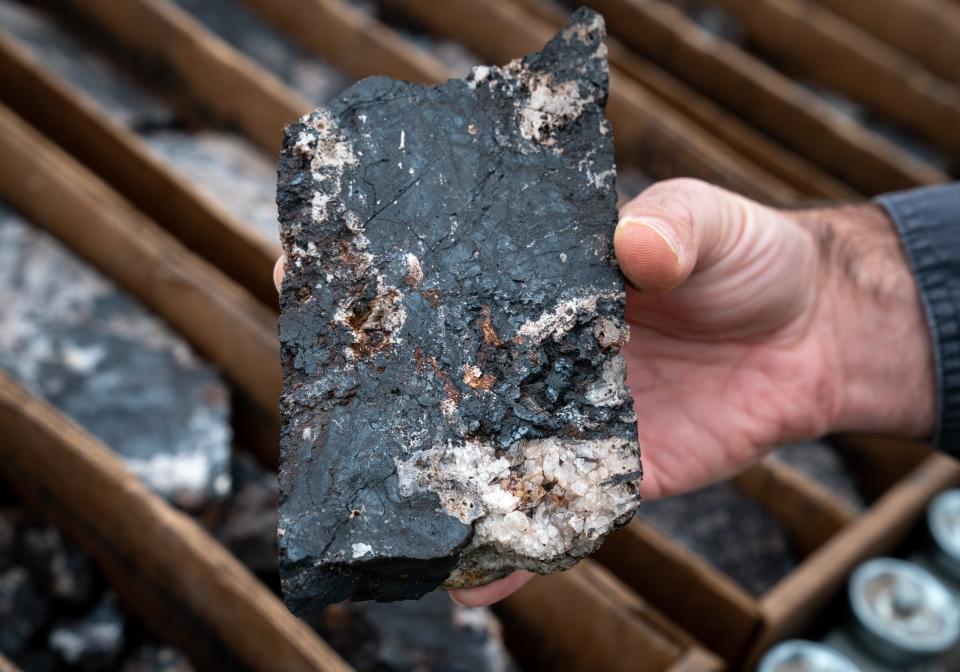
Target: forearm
x=879, y=361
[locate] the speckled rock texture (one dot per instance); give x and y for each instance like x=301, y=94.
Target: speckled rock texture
x=454, y=404
x=56, y=612
x=75, y=62
x=93, y=352
x=730, y=531
x=824, y=464
x=432, y=633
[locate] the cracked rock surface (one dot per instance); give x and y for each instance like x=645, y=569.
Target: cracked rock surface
x=454, y=405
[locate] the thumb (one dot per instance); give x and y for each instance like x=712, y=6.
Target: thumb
x=672, y=228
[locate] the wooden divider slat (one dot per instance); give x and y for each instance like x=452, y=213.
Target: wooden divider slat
x=696, y=660
x=689, y=591
x=227, y=84
x=768, y=155
x=765, y=98
x=585, y=620
x=928, y=30
x=648, y=134
x=793, y=603
x=353, y=41
x=222, y=321
x=77, y=124
x=817, y=42
x=879, y=462
x=180, y=580
x=810, y=513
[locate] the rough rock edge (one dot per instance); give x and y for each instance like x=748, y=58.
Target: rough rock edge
x=499, y=543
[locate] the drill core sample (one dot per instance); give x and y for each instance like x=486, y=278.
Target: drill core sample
x=453, y=403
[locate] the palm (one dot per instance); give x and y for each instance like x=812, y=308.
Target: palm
x=720, y=367
x=704, y=409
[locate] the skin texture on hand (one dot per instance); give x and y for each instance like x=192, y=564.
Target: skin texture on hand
x=752, y=327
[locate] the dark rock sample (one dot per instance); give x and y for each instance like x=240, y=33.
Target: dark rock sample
x=75, y=62
x=822, y=463
x=732, y=532
x=92, y=351
x=453, y=403
x=431, y=633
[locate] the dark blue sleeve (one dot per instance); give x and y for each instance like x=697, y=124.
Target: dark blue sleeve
x=928, y=220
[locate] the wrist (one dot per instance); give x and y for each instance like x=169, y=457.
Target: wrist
x=878, y=364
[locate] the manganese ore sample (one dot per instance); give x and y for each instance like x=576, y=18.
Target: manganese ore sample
x=454, y=405
x=93, y=352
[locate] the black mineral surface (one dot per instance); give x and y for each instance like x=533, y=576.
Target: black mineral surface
x=453, y=402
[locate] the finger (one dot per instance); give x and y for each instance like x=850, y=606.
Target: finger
x=486, y=595
x=672, y=228
x=278, y=272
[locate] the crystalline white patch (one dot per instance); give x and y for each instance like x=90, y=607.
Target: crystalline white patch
x=560, y=319
x=538, y=499
x=608, y=390
x=360, y=550
x=610, y=333
x=550, y=105
x=331, y=155
x=414, y=270
x=480, y=73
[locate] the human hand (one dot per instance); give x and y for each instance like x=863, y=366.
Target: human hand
x=752, y=327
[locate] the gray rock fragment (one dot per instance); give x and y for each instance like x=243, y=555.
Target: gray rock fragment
x=453, y=403
x=89, y=349
x=431, y=633
x=229, y=168
x=120, y=98
x=732, y=532
x=231, y=20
